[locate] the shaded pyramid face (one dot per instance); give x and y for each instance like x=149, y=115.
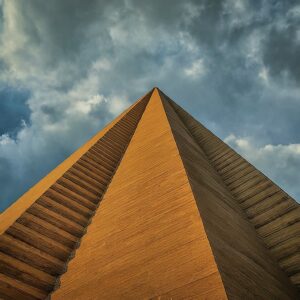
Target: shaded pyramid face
x=153, y=207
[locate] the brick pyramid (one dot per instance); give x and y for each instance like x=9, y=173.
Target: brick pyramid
x=154, y=206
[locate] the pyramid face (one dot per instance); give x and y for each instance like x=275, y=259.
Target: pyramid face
x=153, y=207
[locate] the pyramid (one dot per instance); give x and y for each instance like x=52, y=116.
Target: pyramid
x=154, y=206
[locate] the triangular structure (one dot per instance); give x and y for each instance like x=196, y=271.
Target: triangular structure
x=153, y=207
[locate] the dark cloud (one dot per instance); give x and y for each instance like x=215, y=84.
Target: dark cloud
x=6, y=177
x=281, y=52
x=207, y=27
x=13, y=110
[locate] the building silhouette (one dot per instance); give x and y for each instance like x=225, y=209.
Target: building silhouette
x=154, y=206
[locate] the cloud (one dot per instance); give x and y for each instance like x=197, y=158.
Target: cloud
x=281, y=53
x=280, y=162
x=196, y=69
x=13, y=108
x=71, y=66
x=282, y=44
x=264, y=75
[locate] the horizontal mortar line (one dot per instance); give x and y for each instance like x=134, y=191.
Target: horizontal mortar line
x=218, y=154
x=71, y=205
x=269, y=208
x=86, y=177
x=97, y=155
x=263, y=189
x=275, y=218
x=39, y=241
x=94, y=157
x=234, y=170
x=89, y=164
x=83, y=183
x=104, y=155
x=62, y=210
x=19, y=246
x=261, y=200
x=78, y=190
x=19, y=287
x=233, y=179
x=237, y=187
x=61, y=218
x=276, y=230
x=230, y=165
x=252, y=186
x=43, y=278
x=285, y=256
x=106, y=150
x=281, y=242
x=59, y=238
x=109, y=163
x=65, y=192
x=225, y=160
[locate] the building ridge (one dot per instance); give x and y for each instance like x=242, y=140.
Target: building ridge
x=153, y=206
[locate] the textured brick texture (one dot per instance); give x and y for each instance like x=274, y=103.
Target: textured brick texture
x=155, y=206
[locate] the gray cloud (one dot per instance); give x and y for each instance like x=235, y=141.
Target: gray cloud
x=14, y=110
x=232, y=63
x=281, y=52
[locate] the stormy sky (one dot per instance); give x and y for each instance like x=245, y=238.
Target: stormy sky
x=69, y=67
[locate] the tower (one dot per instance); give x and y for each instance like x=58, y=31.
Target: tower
x=153, y=207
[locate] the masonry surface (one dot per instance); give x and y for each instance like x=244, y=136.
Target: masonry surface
x=155, y=206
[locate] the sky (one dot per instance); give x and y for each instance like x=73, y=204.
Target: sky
x=69, y=67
